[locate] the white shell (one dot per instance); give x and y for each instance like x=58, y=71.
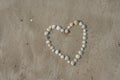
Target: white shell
x=31, y=20
x=53, y=50
x=72, y=63
x=58, y=28
x=46, y=33
x=83, y=26
x=77, y=56
x=47, y=42
x=66, y=31
x=84, y=30
x=62, y=30
x=48, y=29
x=51, y=47
x=80, y=23
x=84, y=33
x=84, y=42
x=81, y=49
x=59, y=54
x=56, y=51
x=62, y=56
x=84, y=38
x=67, y=58
x=83, y=45
x=75, y=60
x=80, y=52
x=68, y=61
x=68, y=27
x=53, y=26
x=71, y=24
x=76, y=22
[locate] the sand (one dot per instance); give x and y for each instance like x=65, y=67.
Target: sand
x=25, y=56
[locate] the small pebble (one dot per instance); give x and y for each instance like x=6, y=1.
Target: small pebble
x=119, y=44
x=31, y=20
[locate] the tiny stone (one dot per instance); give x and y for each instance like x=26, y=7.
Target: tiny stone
x=119, y=44
x=31, y=20
x=51, y=47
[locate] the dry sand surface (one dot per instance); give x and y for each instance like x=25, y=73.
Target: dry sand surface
x=25, y=56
